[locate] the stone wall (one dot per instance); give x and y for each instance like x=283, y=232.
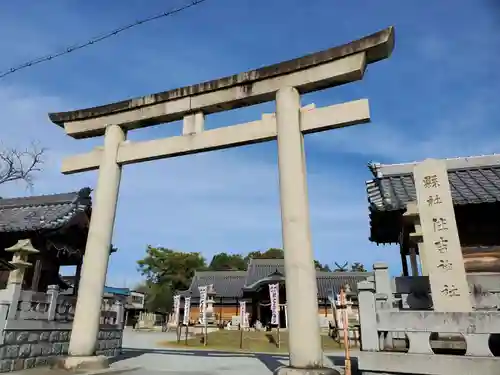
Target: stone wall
x=23, y=349
x=109, y=342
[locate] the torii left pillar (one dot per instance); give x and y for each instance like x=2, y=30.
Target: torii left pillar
x=82, y=346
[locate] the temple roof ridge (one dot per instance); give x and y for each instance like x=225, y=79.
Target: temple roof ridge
x=45, y=199
x=473, y=180
x=380, y=170
x=27, y=214
x=224, y=273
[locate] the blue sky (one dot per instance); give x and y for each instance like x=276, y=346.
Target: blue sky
x=435, y=97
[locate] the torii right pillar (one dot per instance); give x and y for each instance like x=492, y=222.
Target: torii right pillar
x=306, y=354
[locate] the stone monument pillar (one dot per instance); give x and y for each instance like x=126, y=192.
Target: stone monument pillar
x=442, y=254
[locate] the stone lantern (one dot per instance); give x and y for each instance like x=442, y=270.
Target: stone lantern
x=347, y=288
x=21, y=250
x=211, y=293
x=348, y=300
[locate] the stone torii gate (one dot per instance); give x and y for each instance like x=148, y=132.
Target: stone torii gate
x=283, y=82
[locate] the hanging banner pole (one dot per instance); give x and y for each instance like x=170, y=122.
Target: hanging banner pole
x=336, y=329
x=177, y=307
x=279, y=336
x=345, y=324
x=178, y=332
x=243, y=318
x=185, y=319
x=203, y=311
x=274, y=297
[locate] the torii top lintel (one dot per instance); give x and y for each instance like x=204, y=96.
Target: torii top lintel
x=230, y=92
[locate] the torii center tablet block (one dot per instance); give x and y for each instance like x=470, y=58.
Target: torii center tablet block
x=283, y=82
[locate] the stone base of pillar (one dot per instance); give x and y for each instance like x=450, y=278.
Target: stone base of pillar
x=90, y=363
x=287, y=370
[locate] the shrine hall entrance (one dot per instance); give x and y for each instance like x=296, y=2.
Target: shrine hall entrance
x=264, y=315
x=258, y=296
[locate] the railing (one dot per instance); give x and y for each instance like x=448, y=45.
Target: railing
x=402, y=334
x=475, y=328
x=33, y=309
x=413, y=293
x=49, y=306
x=425, y=332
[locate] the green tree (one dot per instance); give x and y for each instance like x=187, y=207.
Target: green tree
x=275, y=253
x=142, y=288
x=169, y=268
x=228, y=262
x=358, y=267
x=272, y=253
x=158, y=298
x=321, y=267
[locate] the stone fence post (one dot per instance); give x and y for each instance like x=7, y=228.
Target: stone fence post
x=53, y=292
x=368, y=316
x=12, y=297
x=384, y=298
x=9, y=301
x=383, y=281
x=120, y=312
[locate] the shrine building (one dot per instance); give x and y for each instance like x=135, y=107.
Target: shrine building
x=231, y=287
x=57, y=226
x=475, y=190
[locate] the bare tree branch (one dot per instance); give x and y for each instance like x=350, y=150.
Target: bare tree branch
x=16, y=165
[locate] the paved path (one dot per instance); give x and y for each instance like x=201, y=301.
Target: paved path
x=141, y=350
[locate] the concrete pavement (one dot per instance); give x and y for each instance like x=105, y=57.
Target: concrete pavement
x=143, y=356
x=141, y=350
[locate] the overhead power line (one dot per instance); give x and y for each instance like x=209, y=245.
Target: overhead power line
x=98, y=38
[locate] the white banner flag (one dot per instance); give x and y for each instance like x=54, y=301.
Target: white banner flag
x=203, y=304
x=274, y=296
x=177, y=309
x=243, y=315
x=187, y=310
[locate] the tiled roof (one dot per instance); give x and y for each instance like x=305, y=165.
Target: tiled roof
x=329, y=282
x=42, y=212
x=259, y=269
x=472, y=180
x=230, y=283
x=226, y=283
